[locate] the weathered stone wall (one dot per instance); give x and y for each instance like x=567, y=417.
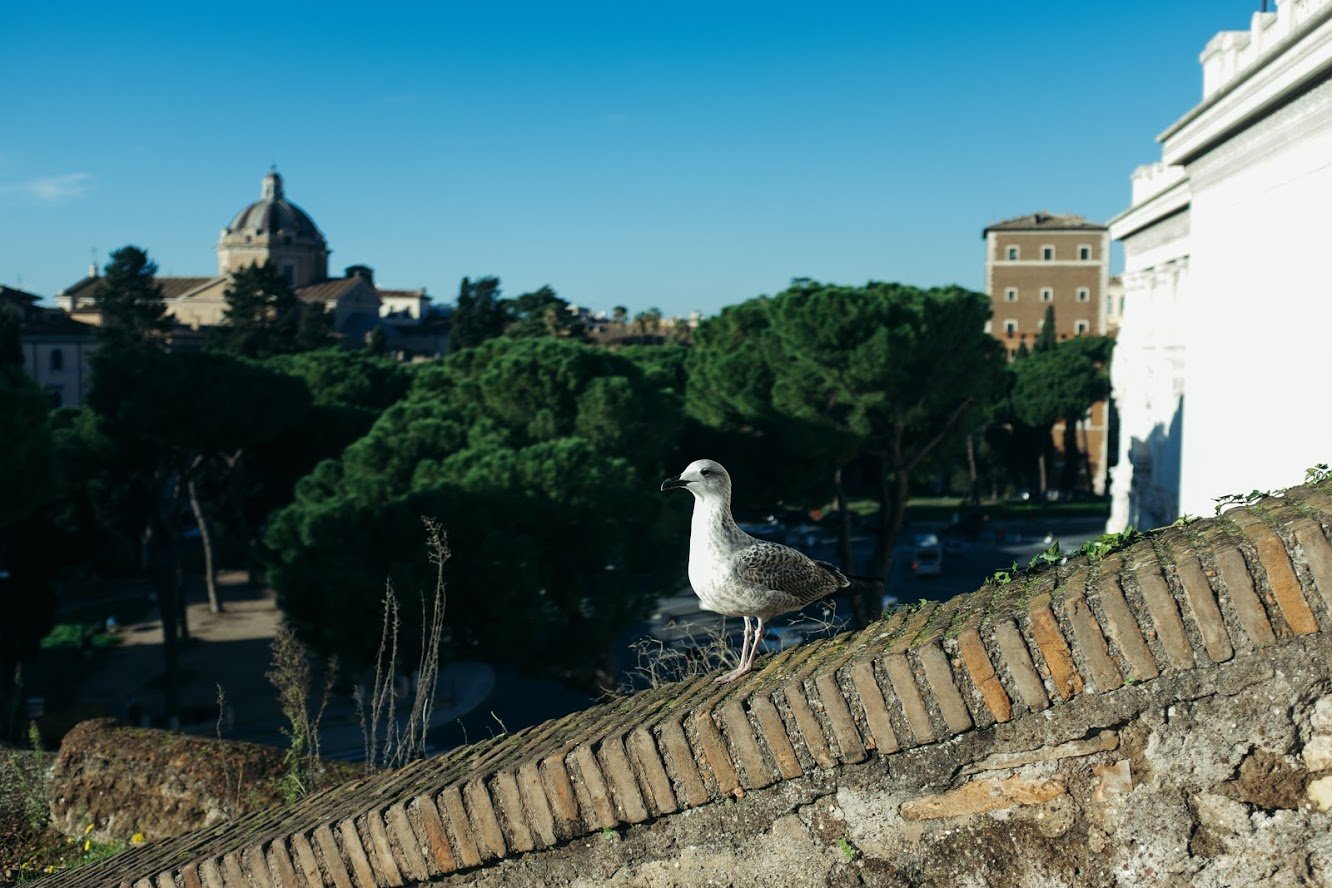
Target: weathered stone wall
x=1205, y=778
x=1155, y=717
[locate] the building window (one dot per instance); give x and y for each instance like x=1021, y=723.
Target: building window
x=1047, y=253
x=1084, y=295
x=57, y=359
x=1047, y=294
x=1080, y=327
x=1012, y=254
x=1010, y=328
x=55, y=394
x=1084, y=252
x=289, y=275
x=1010, y=294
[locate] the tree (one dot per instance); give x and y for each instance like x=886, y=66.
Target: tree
x=541, y=313
x=315, y=327
x=479, y=314
x=265, y=317
x=648, y=321
x=27, y=483
x=376, y=342
x=11, y=345
x=130, y=300
x=340, y=378
x=540, y=457
x=729, y=392
x=1046, y=339
x=179, y=413
x=1061, y=382
x=895, y=367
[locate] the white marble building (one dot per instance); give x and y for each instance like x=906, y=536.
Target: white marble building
x=1219, y=371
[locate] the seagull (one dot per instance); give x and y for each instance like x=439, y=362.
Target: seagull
x=735, y=574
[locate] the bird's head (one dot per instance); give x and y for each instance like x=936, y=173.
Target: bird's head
x=702, y=477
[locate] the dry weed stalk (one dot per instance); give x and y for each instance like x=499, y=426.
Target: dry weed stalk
x=705, y=652
x=400, y=743
x=291, y=676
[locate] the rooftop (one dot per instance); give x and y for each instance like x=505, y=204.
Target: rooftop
x=1044, y=222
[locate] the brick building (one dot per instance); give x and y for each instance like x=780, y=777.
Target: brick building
x=1041, y=260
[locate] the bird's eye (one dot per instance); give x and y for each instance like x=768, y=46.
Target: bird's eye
x=706, y=472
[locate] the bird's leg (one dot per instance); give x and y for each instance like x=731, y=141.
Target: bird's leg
x=742, y=668
x=753, y=650
x=748, y=645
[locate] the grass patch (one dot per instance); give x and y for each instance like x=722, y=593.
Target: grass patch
x=71, y=635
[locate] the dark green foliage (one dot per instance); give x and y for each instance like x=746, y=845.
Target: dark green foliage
x=315, y=327
x=821, y=376
x=27, y=557
x=26, y=465
x=264, y=316
x=341, y=378
x=130, y=301
x=731, y=374
x=539, y=457
x=1060, y=382
x=377, y=342
x=192, y=402
x=541, y=313
x=350, y=389
x=11, y=345
x=479, y=314
x=1046, y=339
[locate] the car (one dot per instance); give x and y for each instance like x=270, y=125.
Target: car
x=927, y=556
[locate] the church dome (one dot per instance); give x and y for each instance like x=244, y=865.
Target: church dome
x=272, y=213
x=274, y=230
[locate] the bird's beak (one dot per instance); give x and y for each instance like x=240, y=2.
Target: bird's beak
x=673, y=482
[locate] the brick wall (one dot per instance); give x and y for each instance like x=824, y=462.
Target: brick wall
x=1186, y=601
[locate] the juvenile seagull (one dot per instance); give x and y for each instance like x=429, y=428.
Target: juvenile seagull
x=737, y=575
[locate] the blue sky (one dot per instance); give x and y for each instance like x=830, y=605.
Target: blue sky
x=684, y=155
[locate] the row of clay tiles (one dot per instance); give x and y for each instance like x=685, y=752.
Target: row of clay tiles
x=1186, y=597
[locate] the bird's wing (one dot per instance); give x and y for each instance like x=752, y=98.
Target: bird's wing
x=785, y=570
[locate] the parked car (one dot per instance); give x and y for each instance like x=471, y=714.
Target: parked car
x=927, y=556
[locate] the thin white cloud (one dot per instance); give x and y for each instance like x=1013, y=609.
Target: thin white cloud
x=53, y=189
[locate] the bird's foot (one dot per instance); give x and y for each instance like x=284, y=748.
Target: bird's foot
x=732, y=675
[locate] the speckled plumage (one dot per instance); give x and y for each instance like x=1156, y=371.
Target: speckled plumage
x=733, y=573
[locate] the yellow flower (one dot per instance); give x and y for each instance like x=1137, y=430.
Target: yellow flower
x=88, y=829
x=87, y=844
x=136, y=839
